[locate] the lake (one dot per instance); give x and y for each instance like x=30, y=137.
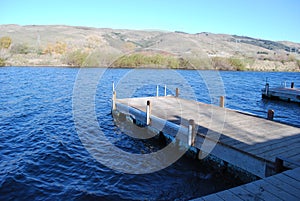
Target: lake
x=42, y=156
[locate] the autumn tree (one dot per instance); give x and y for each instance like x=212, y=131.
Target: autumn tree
x=5, y=42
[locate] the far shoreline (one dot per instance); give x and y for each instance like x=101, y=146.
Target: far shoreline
x=154, y=68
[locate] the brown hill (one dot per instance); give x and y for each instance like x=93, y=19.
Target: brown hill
x=59, y=45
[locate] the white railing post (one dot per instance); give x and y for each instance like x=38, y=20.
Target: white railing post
x=191, y=133
x=148, y=113
x=114, y=97
x=157, y=91
x=165, y=90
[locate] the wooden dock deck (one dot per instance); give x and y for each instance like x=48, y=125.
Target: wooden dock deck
x=283, y=186
x=254, y=144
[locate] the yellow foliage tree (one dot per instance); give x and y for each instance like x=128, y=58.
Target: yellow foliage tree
x=5, y=42
x=57, y=48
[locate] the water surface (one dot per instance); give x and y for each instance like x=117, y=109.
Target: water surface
x=42, y=157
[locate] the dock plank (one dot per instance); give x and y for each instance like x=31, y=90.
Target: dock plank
x=284, y=186
x=265, y=186
x=244, y=194
x=212, y=197
x=228, y=195
x=284, y=149
x=259, y=192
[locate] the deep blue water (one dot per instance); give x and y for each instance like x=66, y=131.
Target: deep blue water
x=43, y=158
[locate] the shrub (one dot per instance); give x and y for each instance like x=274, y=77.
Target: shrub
x=76, y=58
x=19, y=48
x=298, y=63
x=237, y=64
x=2, y=62
x=5, y=42
x=156, y=60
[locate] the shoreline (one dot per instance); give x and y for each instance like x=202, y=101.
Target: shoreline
x=147, y=67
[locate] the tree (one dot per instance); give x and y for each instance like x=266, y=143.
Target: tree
x=5, y=42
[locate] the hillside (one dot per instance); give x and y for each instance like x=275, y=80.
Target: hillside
x=59, y=45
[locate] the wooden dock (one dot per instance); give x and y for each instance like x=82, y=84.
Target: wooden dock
x=257, y=145
x=282, y=93
x=283, y=186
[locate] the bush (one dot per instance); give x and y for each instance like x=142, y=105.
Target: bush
x=20, y=48
x=237, y=64
x=156, y=60
x=298, y=63
x=2, y=62
x=5, y=42
x=76, y=58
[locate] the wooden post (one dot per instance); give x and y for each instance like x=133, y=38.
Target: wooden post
x=191, y=133
x=148, y=113
x=270, y=115
x=114, y=97
x=165, y=90
x=292, y=85
x=157, y=91
x=177, y=92
x=278, y=165
x=113, y=86
x=222, y=101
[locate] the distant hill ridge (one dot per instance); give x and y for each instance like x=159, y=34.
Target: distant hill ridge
x=60, y=45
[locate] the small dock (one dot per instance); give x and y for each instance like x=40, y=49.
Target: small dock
x=282, y=93
x=257, y=145
x=283, y=186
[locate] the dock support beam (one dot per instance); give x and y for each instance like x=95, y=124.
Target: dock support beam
x=278, y=165
x=222, y=101
x=177, y=92
x=191, y=133
x=270, y=115
x=148, y=113
x=292, y=85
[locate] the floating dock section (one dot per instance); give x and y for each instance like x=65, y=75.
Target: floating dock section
x=260, y=146
x=282, y=93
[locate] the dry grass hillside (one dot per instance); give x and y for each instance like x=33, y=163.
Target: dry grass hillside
x=59, y=45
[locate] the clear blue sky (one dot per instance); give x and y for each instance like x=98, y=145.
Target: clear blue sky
x=267, y=19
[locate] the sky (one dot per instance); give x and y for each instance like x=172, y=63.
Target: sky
x=266, y=19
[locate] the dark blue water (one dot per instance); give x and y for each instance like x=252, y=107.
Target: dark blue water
x=43, y=158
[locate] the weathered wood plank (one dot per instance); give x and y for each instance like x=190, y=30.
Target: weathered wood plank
x=212, y=197
x=270, y=143
x=243, y=194
x=227, y=195
x=265, y=186
x=259, y=193
x=279, y=183
x=293, y=174
x=282, y=150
